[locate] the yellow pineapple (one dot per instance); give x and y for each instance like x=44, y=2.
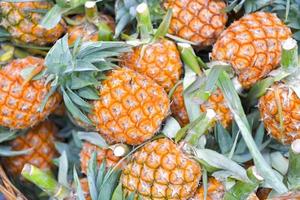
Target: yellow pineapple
x=41, y=140
x=159, y=60
x=122, y=105
x=161, y=170
x=102, y=154
x=252, y=45
x=20, y=99
x=215, y=191
x=281, y=103
x=131, y=108
x=216, y=102
x=22, y=22
x=199, y=21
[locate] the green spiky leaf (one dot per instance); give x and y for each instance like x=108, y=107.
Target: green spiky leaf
x=63, y=169
x=219, y=161
x=91, y=174
x=93, y=137
x=118, y=193
x=53, y=17
x=88, y=93
x=59, y=57
x=73, y=109
x=79, y=191
x=7, y=151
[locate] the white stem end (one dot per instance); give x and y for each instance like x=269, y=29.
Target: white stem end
x=141, y=8
x=296, y=146
x=289, y=44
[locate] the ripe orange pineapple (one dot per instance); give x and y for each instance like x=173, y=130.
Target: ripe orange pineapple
x=216, y=102
x=41, y=140
x=281, y=103
x=252, y=45
x=131, y=108
x=20, y=99
x=159, y=60
x=199, y=21
x=86, y=30
x=215, y=191
x=22, y=22
x=161, y=170
x=102, y=154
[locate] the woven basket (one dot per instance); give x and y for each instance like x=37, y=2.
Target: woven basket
x=9, y=191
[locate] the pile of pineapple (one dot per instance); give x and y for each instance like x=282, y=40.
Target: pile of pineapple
x=152, y=100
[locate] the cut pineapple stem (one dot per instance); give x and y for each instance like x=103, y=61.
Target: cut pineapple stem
x=296, y=146
x=91, y=10
x=189, y=57
x=255, y=173
x=289, y=57
x=211, y=114
x=45, y=181
x=293, y=174
x=144, y=21
x=120, y=150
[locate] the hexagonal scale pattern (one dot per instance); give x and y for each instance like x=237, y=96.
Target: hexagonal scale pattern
x=252, y=45
x=160, y=170
x=20, y=99
x=131, y=107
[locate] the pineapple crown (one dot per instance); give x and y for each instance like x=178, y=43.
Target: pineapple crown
x=145, y=25
x=77, y=72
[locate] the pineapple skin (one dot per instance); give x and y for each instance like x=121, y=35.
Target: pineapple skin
x=20, y=99
x=102, y=154
x=216, y=102
x=252, y=45
x=199, y=21
x=215, y=191
x=131, y=108
x=41, y=140
x=23, y=24
x=159, y=60
x=160, y=170
x=86, y=30
x=281, y=95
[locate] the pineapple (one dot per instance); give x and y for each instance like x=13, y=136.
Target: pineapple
x=21, y=98
x=131, y=108
x=159, y=60
x=252, y=45
x=161, y=170
x=22, y=22
x=279, y=106
x=215, y=191
x=216, y=102
x=41, y=140
x=199, y=21
x=281, y=102
x=102, y=154
x=86, y=30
